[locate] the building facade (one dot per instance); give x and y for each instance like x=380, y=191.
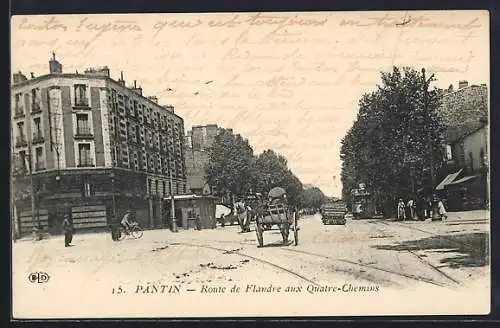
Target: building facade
x=90, y=146
x=465, y=114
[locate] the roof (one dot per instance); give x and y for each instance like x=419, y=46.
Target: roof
x=449, y=179
x=464, y=111
x=189, y=197
x=91, y=76
x=465, y=131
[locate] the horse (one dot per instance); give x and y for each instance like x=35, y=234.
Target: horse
x=242, y=213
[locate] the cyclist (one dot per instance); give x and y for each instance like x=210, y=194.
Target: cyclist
x=126, y=221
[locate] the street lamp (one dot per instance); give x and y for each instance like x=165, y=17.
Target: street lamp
x=112, y=175
x=429, y=140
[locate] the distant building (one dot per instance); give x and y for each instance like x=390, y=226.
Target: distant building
x=465, y=114
x=198, y=141
x=94, y=147
x=203, y=136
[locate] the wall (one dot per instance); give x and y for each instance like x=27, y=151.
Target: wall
x=473, y=143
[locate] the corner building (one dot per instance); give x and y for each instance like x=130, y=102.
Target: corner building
x=88, y=145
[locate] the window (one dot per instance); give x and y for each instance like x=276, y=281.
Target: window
x=39, y=158
x=20, y=130
x=156, y=187
x=136, y=112
x=449, y=155
x=471, y=161
x=82, y=124
x=483, y=158
x=18, y=104
x=149, y=186
x=164, y=188
x=137, y=133
x=35, y=100
x=88, y=188
x=22, y=158
x=84, y=155
x=37, y=133
x=81, y=95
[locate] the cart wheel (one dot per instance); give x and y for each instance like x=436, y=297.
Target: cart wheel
x=260, y=234
x=295, y=230
x=121, y=234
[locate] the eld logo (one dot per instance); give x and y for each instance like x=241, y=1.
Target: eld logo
x=39, y=277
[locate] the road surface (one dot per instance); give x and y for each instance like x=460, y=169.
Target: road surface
x=363, y=257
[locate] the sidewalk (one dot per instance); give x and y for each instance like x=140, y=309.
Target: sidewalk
x=480, y=215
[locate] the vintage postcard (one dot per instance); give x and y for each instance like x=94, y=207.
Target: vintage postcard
x=250, y=164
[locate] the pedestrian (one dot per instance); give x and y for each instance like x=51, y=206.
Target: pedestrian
x=198, y=222
x=222, y=220
x=411, y=208
x=429, y=208
x=401, y=210
x=68, y=231
x=442, y=210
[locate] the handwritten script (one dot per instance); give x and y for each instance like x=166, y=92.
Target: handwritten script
x=285, y=80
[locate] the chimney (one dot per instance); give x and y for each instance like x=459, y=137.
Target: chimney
x=462, y=84
x=121, y=80
x=55, y=67
x=97, y=71
x=18, y=78
x=32, y=75
x=153, y=99
x=170, y=108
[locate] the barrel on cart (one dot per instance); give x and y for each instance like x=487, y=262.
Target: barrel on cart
x=277, y=213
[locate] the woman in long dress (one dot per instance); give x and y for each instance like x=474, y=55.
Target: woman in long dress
x=401, y=210
x=442, y=210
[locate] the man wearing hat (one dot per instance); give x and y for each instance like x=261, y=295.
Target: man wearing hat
x=68, y=231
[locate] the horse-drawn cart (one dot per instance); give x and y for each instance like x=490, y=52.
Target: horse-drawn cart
x=277, y=213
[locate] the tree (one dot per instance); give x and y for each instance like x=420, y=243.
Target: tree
x=229, y=167
x=270, y=170
x=312, y=198
x=396, y=135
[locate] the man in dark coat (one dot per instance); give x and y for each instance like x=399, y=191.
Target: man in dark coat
x=68, y=231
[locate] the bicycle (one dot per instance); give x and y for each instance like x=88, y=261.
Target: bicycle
x=135, y=231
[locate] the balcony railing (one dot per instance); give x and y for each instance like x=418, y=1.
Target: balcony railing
x=86, y=162
x=19, y=113
x=37, y=138
x=39, y=167
x=83, y=133
x=81, y=102
x=21, y=142
x=35, y=108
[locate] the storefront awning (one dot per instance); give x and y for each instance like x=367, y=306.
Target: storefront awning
x=449, y=179
x=190, y=197
x=463, y=180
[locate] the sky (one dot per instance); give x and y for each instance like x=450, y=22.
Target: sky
x=289, y=82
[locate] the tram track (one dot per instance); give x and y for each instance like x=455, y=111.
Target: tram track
x=321, y=256
x=418, y=257
x=265, y=262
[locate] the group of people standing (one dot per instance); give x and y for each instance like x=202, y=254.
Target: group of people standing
x=421, y=208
